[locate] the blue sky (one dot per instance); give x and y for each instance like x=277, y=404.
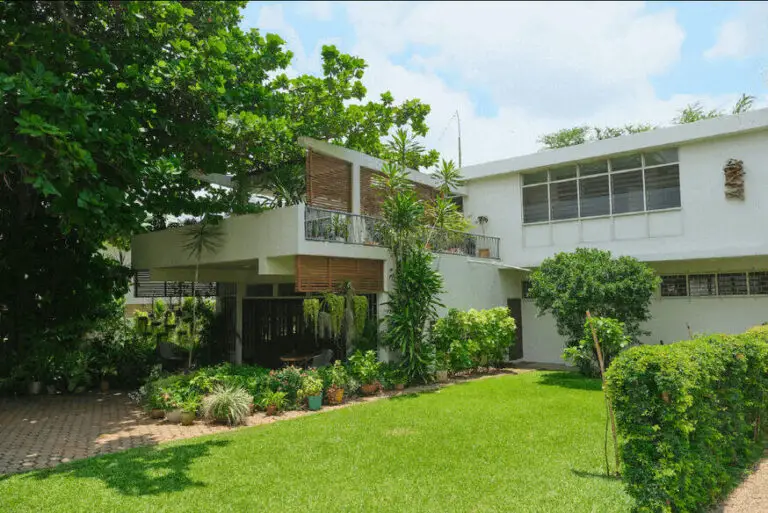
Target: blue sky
x=515, y=71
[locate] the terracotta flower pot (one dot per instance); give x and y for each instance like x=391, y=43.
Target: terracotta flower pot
x=271, y=410
x=156, y=413
x=370, y=389
x=335, y=395
x=441, y=376
x=399, y=386
x=187, y=418
x=104, y=386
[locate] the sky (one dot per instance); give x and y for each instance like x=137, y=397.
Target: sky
x=514, y=71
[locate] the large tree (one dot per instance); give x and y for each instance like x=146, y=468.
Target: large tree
x=110, y=113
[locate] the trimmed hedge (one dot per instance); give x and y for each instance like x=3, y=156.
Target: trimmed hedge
x=688, y=415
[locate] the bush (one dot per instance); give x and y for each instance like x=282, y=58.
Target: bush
x=311, y=386
x=688, y=415
x=365, y=367
x=227, y=404
x=569, y=284
x=610, y=334
x=288, y=380
x=475, y=338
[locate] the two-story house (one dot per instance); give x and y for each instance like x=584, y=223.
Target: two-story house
x=690, y=200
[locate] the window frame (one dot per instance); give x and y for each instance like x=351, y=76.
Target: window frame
x=715, y=276
x=609, y=173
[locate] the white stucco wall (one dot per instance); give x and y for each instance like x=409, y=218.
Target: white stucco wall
x=707, y=224
x=470, y=283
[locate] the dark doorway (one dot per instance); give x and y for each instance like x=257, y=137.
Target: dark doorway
x=273, y=327
x=516, y=312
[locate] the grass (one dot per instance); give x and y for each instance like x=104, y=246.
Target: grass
x=527, y=443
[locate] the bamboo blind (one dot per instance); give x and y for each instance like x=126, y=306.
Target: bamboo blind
x=329, y=182
x=320, y=274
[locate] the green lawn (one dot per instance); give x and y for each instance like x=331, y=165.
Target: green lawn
x=532, y=442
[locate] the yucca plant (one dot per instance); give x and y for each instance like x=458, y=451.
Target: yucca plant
x=227, y=404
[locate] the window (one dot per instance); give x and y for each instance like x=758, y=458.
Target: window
x=675, y=285
x=287, y=290
x=564, y=200
x=619, y=185
x=535, y=204
x=758, y=283
x=702, y=284
x=662, y=187
x=732, y=284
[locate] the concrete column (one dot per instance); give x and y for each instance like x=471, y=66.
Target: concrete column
x=355, y=188
x=239, y=323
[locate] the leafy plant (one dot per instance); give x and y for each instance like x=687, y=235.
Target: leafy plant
x=288, y=380
x=365, y=367
x=311, y=309
x=610, y=333
x=230, y=404
x=335, y=305
x=569, y=284
x=690, y=416
x=311, y=386
x=360, y=309
x=191, y=403
x=334, y=375
x=276, y=399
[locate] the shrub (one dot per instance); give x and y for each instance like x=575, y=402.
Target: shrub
x=569, y=284
x=688, y=415
x=311, y=386
x=475, y=338
x=288, y=380
x=334, y=375
x=229, y=404
x=610, y=334
x=276, y=399
x=365, y=367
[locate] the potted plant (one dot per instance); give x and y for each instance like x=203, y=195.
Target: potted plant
x=174, y=408
x=156, y=404
x=312, y=389
x=105, y=371
x=337, y=380
x=273, y=402
x=189, y=408
x=398, y=379
x=367, y=368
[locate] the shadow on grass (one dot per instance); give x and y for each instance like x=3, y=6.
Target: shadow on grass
x=570, y=380
x=414, y=395
x=595, y=475
x=143, y=471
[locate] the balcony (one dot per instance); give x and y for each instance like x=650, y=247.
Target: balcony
x=342, y=227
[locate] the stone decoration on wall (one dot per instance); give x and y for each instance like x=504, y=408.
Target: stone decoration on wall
x=734, y=179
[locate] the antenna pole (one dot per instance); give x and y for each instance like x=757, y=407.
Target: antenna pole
x=458, y=119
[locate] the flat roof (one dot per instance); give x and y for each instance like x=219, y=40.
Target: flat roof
x=668, y=136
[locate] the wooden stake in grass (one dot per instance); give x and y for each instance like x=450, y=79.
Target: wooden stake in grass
x=607, y=402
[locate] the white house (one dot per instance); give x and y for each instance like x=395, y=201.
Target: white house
x=663, y=197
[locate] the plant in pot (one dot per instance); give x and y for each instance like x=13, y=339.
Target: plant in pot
x=156, y=404
x=174, y=402
x=336, y=377
x=105, y=371
x=76, y=365
x=273, y=402
x=189, y=407
x=442, y=364
x=398, y=378
x=366, y=367
x=229, y=404
x=312, y=390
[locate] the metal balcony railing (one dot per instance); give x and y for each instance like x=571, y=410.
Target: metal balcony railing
x=334, y=226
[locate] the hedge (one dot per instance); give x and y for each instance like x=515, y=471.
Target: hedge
x=688, y=416
x=475, y=338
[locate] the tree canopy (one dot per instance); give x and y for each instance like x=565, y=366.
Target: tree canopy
x=689, y=114
x=112, y=110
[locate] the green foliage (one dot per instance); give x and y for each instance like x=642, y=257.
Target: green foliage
x=360, y=312
x=569, y=284
x=695, y=112
x=277, y=399
x=404, y=149
x=311, y=385
x=413, y=303
x=334, y=375
x=584, y=134
x=610, y=334
x=227, y=404
x=288, y=380
x=474, y=338
x=110, y=113
x=365, y=367
x=335, y=305
x=311, y=309
x=690, y=417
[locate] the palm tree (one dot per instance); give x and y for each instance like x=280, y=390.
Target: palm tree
x=203, y=237
x=404, y=148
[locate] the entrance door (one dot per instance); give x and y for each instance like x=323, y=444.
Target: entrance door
x=516, y=312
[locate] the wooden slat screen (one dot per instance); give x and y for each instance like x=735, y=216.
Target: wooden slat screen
x=370, y=198
x=320, y=274
x=329, y=182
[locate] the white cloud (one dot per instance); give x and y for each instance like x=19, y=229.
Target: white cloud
x=743, y=36
x=321, y=11
x=540, y=67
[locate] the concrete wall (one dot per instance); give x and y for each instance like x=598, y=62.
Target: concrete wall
x=471, y=283
x=707, y=225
